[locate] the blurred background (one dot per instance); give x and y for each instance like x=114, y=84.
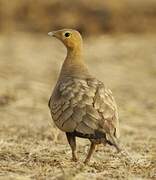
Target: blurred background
x=96, y=17
x=120, y=50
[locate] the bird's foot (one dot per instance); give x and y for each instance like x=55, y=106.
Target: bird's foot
x=74, y=158
x=86, y=161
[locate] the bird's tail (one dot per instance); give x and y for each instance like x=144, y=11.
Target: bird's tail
x=111, y=140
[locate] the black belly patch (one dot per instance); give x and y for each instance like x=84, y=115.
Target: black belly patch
x=96, y=135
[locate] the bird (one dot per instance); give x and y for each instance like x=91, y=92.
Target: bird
x=80, y=104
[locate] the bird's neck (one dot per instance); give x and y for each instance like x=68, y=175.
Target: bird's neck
x=75, y=53
x=74, y=63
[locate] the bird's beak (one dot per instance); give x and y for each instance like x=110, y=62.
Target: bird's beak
x=54, y=34
x=51, y=33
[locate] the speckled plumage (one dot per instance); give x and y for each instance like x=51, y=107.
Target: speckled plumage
x=80, y=104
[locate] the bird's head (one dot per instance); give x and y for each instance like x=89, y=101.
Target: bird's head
x=71, y=38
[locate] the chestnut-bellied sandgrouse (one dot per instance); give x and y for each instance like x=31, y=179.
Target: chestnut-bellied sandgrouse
x=81, y=105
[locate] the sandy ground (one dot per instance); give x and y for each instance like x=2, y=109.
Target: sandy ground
x=30, y=145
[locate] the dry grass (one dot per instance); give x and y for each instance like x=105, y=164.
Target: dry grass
x=32, y=148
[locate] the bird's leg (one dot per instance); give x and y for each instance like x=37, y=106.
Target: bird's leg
x=90, y=152
x=72, y=142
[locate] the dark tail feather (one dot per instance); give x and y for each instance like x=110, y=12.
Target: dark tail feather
x=111, y=140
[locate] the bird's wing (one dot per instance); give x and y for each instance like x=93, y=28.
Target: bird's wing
x=85, y=106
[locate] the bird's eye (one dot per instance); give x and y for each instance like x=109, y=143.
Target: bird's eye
x=67, y=34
